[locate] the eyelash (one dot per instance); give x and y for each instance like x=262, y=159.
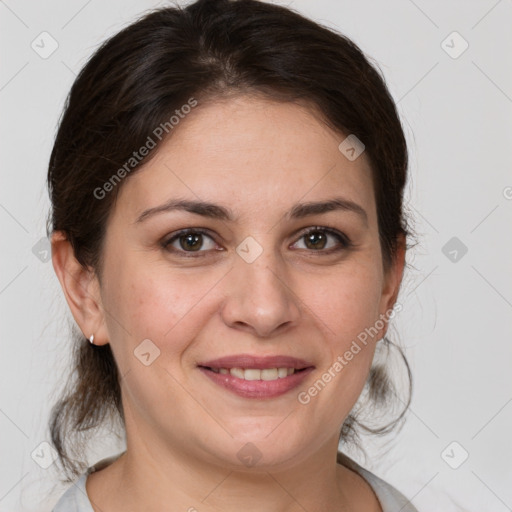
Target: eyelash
x=341, y=237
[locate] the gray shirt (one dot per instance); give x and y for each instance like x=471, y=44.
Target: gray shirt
x=75, y=499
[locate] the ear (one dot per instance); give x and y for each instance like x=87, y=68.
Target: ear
x=81, y=289
x=391, y=283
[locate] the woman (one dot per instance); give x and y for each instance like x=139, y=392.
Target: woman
x=227, y=229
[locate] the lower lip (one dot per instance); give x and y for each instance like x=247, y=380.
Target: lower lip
x=257, y=388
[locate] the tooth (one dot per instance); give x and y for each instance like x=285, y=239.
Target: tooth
x=269, y=374
x=252, y=374
x=257, y=374
x=237, y=372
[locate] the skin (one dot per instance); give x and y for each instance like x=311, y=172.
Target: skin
x=258, y=158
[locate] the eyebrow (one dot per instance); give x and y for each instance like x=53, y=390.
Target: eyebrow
x=215, y=211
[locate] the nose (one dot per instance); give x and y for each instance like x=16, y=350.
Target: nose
x=259, y=296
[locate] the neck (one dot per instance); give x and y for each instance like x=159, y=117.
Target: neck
x=161, y=474
x=151, y=480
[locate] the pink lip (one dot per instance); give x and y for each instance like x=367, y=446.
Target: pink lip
x=258, y=388
x=257, y=362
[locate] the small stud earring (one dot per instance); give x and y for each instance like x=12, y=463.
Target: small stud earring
x=91, y=339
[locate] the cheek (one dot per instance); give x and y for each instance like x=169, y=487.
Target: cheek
x=347, y=308
x=347, y=303
x=148, y=304
x=147, y=301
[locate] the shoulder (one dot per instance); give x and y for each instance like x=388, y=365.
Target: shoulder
x=75, y=499
x=390, y=498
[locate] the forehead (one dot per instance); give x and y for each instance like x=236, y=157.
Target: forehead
x=251, y=154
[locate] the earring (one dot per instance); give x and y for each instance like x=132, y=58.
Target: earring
x=91, y=339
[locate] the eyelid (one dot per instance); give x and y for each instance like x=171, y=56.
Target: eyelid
x=182, y=232
x=342, y=238
x=345, y=242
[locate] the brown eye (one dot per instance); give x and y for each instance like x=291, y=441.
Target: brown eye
x=317, y=239
x=188, y=241
x=191, y=241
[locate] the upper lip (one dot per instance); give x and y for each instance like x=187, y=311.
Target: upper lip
x=257, y=362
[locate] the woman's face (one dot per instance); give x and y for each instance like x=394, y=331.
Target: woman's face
x=248, y=281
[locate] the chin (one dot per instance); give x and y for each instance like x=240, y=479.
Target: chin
x=263, y=452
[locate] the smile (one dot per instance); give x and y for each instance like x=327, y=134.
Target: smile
x=257, y=377
x=255, y=373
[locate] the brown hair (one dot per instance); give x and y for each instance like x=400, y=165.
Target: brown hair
x=135, y=81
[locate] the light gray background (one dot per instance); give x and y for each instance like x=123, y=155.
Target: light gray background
x=456, y=322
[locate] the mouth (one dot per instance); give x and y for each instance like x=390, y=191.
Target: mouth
x=257, y=377
x=266, y=374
